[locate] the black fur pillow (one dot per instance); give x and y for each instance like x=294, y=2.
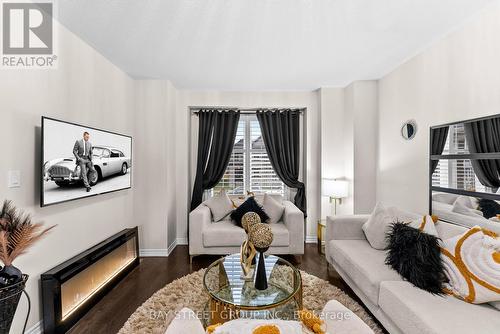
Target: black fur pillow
x=250, y=205
x=488, y=207
x=416, y=256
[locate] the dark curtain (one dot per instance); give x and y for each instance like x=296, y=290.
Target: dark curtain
x=217, y=131
x=281, y=135
x=438, y=140
x=484, y=137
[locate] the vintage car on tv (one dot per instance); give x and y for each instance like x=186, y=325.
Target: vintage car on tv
x=107, y=161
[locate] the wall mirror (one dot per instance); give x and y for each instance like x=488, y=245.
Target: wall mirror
x=409, y=129
x=465, y=172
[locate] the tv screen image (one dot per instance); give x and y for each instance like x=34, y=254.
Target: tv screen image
x=81, y=161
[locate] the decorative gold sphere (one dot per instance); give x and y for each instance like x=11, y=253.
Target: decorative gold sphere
x=249, y=219
x=261, y=235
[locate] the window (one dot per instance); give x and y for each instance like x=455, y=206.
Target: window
x=457, y=173
x=249, y=168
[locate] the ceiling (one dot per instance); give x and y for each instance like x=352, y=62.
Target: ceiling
x=262, y=45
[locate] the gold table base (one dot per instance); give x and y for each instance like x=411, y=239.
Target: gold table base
x=221, y=312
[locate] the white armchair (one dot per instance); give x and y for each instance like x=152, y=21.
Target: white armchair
x=224, y=237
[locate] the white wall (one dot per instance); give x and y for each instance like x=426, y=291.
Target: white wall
x=154, y=205
x=309, y=100
x=333, y=141
x=457, y=78
x=349, y=144
x=170, y=166
x=86, y=89
x=365, y=134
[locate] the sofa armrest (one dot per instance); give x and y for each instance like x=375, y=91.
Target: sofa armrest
x=293, y=219
x=345, y=227
x=199, y=219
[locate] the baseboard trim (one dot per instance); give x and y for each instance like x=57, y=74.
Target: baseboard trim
x=182, y=241
x=146, y=252
x=171, y=247
x=35, y=329
x=311, y=239
x=153, y=252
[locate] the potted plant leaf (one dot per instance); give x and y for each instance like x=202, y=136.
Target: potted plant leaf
x=17, y=234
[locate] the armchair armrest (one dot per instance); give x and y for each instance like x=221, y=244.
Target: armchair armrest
x=199, y=219
x=293, y=219
x=345, y=227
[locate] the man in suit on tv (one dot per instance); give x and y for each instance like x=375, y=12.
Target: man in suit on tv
x=82, y=150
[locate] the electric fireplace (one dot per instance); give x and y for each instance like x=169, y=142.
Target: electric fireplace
x=73, y=287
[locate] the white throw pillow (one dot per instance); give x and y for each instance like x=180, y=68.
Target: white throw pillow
x=273, y=208
x=444, y=198
x=465, y=201
x=377, y=226
x=425, y=224
x=220, y=205
x=463, y=209
x=185, y=322
x=399, y=215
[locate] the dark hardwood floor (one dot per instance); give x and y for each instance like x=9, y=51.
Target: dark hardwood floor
x=109, y=315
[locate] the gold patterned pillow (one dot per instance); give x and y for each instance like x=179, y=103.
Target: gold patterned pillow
x=472, y=263
x=426, y=225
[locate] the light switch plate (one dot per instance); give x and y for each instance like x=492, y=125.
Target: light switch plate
x=14, y=179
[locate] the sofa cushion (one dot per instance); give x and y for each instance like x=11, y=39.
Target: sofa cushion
x=415, y=311
x=281, y=236
x=364, y=265
x=226, y=234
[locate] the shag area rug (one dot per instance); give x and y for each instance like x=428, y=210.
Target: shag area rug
x=154, y=316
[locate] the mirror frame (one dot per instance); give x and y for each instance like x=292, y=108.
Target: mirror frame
x=415, y=128
x=470, y=156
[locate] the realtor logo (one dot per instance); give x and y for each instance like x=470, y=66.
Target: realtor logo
x=27, y=29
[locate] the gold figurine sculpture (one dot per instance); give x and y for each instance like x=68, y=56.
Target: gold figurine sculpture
x=247, y=250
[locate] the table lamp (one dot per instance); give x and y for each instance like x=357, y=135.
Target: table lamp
x=335, y=190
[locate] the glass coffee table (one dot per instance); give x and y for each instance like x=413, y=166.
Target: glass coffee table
x=231, y=296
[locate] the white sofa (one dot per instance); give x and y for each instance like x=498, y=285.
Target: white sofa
x=224, y=237
x=397, y=304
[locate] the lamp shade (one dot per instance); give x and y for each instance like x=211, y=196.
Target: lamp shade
x=335, y=188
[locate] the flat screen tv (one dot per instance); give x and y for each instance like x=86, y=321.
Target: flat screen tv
x=80, y=161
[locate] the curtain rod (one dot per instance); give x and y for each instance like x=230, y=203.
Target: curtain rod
x=195, y=110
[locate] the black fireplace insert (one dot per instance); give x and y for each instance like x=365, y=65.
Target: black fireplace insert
x=72, y=288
